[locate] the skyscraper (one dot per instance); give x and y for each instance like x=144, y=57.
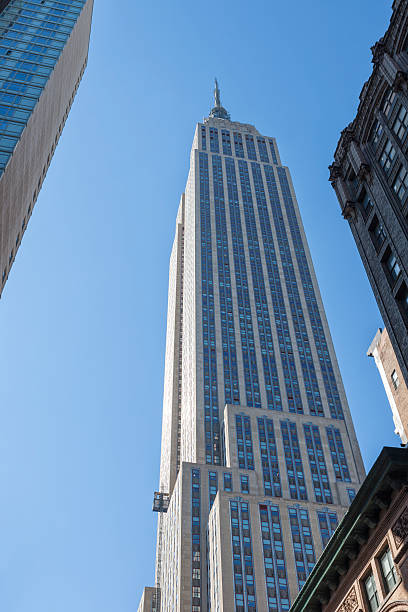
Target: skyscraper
x=259, y=455
x=370, y=178
x=43, y=55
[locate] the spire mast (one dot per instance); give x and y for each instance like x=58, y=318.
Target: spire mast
x=218, y=111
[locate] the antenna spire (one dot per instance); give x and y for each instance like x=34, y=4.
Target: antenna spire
x=217, y=98
x=218, y=111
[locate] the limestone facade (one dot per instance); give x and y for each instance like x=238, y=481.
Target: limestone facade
x=257, y=433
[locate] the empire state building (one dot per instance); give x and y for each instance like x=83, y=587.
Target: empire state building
x=259, y=457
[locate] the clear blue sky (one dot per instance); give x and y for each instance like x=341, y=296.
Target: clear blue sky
x=82, y=318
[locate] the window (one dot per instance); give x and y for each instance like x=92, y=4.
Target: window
x=351, y=494
x=366, y=204
x=352, y=179
x=395, y=380
x=212, y=486
x=244, y=484
x=401, y=123
x=371, y=592
x=377, y=233
x=376, y=133
x=388, y=571
x=392, y=265
x=387, y=156
x=227, y=481
x=400, y=185
x=388, y=102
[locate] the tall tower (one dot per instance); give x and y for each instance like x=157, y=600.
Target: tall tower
x=259, y=454
x=43, y=55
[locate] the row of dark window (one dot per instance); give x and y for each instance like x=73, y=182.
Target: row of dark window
x=210, y=140
x=231, y=386
x=293, y=457
x=276, y=579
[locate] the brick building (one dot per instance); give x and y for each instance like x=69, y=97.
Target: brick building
x=394, y=384
x=364, y=567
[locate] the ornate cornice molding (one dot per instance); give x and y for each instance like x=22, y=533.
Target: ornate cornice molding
x=400, y=529
x=378, y=50
x=364, y=172
x=336, y=172
x=349, y=212
x=400, y=82
x=350, y=603
x=347, y=136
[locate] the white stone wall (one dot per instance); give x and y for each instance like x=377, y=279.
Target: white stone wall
x=168, y=463
x=176, y=575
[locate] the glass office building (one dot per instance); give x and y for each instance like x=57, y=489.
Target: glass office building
x=43, y=54
x=259, y=456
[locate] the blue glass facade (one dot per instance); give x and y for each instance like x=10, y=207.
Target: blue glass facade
x=273, y=152
x=269, y=457
x=212, y=486
x=231, y=381
x=226, y=142
x=338, y=455
x=327, y=524
x=263, y=151
x=245, y=450
x=195, y=539
x=33, y=34
x=317, y=464
x=302, y=539
x=243, y=562
x=296, y=309
x=214, y=142
x=336, y=410
x=277, y=587
x=238, y=145
x=250, y=147
x=253, y=397
x=293, y=460
x=281, y=319
x=211, y=410
x=227, y=481
x=272, y=388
